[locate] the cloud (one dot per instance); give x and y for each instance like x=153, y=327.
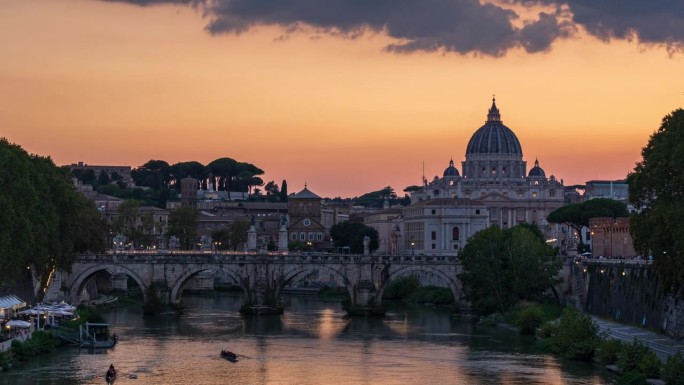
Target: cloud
x=656, y=22
x=461, y=26
x=143, y=3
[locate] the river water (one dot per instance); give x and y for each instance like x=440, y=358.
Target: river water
x=313, y=343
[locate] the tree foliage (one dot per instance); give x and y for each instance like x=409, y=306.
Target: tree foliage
x=183, y=225
x=44, y=221
x=239, y=230
x=656, y=189
x=350, y=234
x=504, y=266
x=577, y=336
x=378, y=198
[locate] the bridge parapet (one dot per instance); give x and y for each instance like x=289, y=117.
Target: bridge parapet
x=212, y=258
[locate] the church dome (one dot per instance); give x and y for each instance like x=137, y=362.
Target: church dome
x=451, y=170
x=536, y=171
x=494, y=137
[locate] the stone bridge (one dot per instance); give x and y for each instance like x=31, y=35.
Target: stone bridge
x=262, y=277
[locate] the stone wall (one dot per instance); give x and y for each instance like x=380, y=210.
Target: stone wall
x=633, y=294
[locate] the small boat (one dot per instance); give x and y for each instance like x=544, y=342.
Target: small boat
x=228, y=355
x=110, y=377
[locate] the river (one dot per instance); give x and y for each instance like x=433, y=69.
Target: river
x=313, y=343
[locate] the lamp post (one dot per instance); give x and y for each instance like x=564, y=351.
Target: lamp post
x=413, y=248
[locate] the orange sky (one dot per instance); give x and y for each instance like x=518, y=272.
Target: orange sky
x=113, y=83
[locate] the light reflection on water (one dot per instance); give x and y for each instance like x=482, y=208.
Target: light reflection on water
x=311, y=344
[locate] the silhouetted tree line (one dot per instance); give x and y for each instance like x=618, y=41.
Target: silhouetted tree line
x=160, y=181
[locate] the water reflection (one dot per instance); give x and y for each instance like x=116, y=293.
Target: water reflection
x=312, y=343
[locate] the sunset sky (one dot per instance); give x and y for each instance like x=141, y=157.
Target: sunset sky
x=347, y=96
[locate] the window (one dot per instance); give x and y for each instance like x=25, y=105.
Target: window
x=534, y=194
x=293, y=236
x=477, y=212
x=319, y=236
x=434, y=246
x=311, y=236
x=455, y=246
x=434, y=212
x=302, y=236
x=433, y=235
x=456, y=234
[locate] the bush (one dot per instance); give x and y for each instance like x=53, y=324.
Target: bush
x=431, y=294
x=673, y=370
x=576, y=337
x=609, y=350
x=637, y=356
x=547, y=330
x=529, y=319
x=492, y=320
x=401, y=288
x=632, y=378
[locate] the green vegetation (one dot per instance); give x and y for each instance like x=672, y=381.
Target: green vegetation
x=609, y=350
x=350, y=234
x=656, y=187
x=576, y=337
x=673, y=370
x=44, y=221
x=502, y=267
x=638, y=357
x=154, y=304
x=409, y=289
x=41, y=342
x=377, y=198
x=183, y=225
x=84, y=314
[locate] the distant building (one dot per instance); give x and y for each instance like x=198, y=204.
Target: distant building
x=306, y=220
x=442, y=225
x=614, y=189
x=123, y=171
x=610, y=237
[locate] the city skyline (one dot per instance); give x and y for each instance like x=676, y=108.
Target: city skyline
x=346, y=98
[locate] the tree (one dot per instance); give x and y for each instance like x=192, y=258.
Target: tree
x=44, y=221
x=283, y=191
x=350, y=234
x=376, y=198
x=183, y=225
x=221, y=238
x=126, y=222
x=577, y=215
x=656, y=189
x=504, y=266
x=103, y=179
x=154, y=174
x=238, y=233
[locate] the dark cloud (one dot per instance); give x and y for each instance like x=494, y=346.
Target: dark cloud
x=659, y=22
x=143, y=3
x=463, y=26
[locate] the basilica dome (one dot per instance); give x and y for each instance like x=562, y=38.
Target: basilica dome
x=537, y=171
x=451, y=170
x=494, y=137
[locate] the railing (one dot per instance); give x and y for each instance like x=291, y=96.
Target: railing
x=227, y=257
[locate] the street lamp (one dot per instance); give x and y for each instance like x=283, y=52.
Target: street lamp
x=413, y=248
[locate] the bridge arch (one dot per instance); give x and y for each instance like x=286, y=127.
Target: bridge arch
x=82, y=279
x=304, y=270
x=176, y=289
x=452, y=282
